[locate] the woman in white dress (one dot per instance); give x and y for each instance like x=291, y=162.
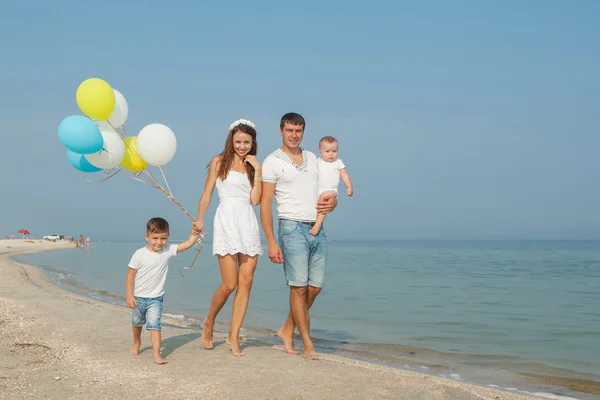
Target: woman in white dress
x=236, y=237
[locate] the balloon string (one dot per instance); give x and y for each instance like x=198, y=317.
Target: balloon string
x=105, y=179
x=123, y=129
x=165, y=179
x=113, y=128
x=156, y=185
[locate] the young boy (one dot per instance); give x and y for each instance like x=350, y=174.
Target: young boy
x=146, y=281
x=331, y=169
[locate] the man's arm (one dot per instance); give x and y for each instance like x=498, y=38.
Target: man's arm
x=346, y=179
x=266, y=219
x=266, y=211
x=129, y=287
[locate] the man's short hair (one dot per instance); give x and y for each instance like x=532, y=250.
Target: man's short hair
x=327, y=139
x=157, y=225
x=293, y=119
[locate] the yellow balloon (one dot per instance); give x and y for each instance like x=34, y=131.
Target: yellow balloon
x=132, y=160
x=96, y=98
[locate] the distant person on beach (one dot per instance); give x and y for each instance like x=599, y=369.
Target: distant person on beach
x=331, y=169
x=290, y=174
x=146, y=281
x=237, y=175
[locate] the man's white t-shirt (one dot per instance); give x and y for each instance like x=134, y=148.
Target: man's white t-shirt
x=329, y=174
x=296, y=186
x=152, y=270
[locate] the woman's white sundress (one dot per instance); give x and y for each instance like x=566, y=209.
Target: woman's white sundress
x=235, y=228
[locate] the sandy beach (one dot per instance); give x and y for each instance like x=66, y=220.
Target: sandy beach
x=57, y=345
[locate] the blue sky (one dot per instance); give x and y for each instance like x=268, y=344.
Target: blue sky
x=462, y=119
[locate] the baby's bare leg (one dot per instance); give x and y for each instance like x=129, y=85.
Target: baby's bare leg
x=321, y=216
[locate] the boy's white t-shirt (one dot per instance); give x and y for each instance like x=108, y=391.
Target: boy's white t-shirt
x=296, y=186
x=152, y=270
x=329, y=174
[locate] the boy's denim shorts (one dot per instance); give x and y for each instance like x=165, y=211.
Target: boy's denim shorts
x=147, y=311
x=304, y=255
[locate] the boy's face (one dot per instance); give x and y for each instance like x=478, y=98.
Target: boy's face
x=329, y=151
x=157, y=241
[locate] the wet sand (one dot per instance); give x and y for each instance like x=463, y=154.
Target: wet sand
x=57, y=345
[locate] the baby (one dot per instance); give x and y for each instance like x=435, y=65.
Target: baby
x=331, y=169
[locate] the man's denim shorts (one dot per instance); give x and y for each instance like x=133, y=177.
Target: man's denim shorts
x=304, y=255
x=147, y=311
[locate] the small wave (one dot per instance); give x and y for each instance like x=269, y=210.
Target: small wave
x=537, y=394
x=455, y=377
x=180, y=317
x=548, y=395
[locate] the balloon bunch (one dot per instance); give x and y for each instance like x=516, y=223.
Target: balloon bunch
x=99, y=142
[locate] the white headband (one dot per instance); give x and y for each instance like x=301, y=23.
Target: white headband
x=240, y=122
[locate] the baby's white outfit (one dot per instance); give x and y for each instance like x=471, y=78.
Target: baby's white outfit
x=329, y=174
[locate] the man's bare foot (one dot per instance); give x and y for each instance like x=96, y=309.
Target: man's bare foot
x=288, y=342
x=159, y=360
x=235, y=346
x=310, y=354
x=135, y=349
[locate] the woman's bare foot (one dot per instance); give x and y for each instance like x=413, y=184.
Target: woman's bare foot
x=159, y=360
x=135, y=349
x=310, y=354
x=235, y=346
x=207, y=335
x=288, y=342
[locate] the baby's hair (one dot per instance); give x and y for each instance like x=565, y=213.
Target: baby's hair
x=327, y=139
x=157, y=225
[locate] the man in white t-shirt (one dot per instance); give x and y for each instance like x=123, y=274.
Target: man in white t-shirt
x=146, y=281
x=290, y=174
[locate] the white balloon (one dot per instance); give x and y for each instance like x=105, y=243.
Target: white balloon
x=104, y=126
x=156, y=144
x=121, y=111
x=112, y=151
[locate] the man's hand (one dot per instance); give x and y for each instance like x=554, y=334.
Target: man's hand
x=131, y=302
x=349, y=192
x=327, y=205
x=275, y=254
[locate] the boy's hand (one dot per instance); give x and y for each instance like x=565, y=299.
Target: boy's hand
x=131, y=302
x=349, y=192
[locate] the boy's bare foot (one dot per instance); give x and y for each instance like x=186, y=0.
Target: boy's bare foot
x=207, y=335
x=310, y=354
x=235, y=346
x=159, y=360
x=135, y=349
x=288, y=342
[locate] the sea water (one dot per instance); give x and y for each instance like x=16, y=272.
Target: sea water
x=469, y=310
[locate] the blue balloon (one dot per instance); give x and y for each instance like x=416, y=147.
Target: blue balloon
x=78, y=161
x=80, y=135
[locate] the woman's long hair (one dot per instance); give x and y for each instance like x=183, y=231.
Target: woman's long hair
x=227, y=156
